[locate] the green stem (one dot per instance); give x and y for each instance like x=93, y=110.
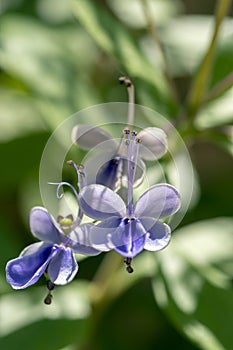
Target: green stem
x=218, y=89
x=202, y=77
x=152, y=30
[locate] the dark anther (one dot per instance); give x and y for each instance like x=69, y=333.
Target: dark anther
x=127, y=262
x=59, y=218
x=122, y=80
x=139, y=140
x=129, y=269
x=134, y=133
x=127, y=131
x=70, y=162
x=50, y=285
x=48, y=299
x=70, y=216
x=126, y=81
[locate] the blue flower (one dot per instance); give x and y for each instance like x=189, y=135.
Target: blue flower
x=109, y=167
x=130, y=229
x=54, y=255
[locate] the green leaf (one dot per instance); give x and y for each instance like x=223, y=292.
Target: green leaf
x=51, y=68
x=21, y=155
x=19, y=115
x=113, y=38
x=217, y=112
x=31, y=324
x=130, y=12
x=223, y=64
x=194, y=287
x=186, y=39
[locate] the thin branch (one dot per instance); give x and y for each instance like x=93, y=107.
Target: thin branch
x=152, y=30
x=202, y=77
x=218, y=89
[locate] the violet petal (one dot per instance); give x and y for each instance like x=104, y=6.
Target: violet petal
x=25, y=270
x=80, y=242
x=158, y=201
x=101, y=233
x=43, y=226
x=129, y=238
x=100, y=202
x=63, y=267
x=159, y=234
x=154, y=143
x=87, y=136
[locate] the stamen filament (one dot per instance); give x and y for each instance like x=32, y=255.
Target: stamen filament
x=138, y=141
x=131, y=104
x=130, y=174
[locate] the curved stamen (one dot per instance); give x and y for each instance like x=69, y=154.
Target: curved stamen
x=81, y=173
x=60, y=195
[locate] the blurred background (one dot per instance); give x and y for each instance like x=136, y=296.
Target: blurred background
x=58, y=57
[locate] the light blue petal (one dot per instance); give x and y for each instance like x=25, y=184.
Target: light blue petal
x=24, y=271
x=87, y=137
x=80, y=242
x=129, y=238
x=43, y=226
x=139, y=174
x=159, y=234
x=63, y=267
x=101, y=233
x=99, y=202
x=158, y=201
x=153, y=143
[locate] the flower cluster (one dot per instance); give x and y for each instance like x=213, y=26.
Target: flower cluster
x=107, y=197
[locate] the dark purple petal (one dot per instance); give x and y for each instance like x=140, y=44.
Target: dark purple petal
x=99, y=202
x=159, y=234
x=158, y=201
x=129, y=238
x=80, y=240
x=154, y=143
x=110, y=173
x=24, y=271
x=87, y=137
x=43, y=226
x=63, y=267
x=101, y=233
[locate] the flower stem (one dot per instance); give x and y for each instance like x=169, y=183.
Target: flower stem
x=201, y=79
x=131, y=100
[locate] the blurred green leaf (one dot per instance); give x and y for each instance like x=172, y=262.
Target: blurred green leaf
x=51, y=68
x=186, y=39
x=195, y=286
x=27, y=318
x=46, y=335
x=19, y=158
x=217, y=112
x=19, y=115
x=223, y=64
x=130, y=12
x=113, y=38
